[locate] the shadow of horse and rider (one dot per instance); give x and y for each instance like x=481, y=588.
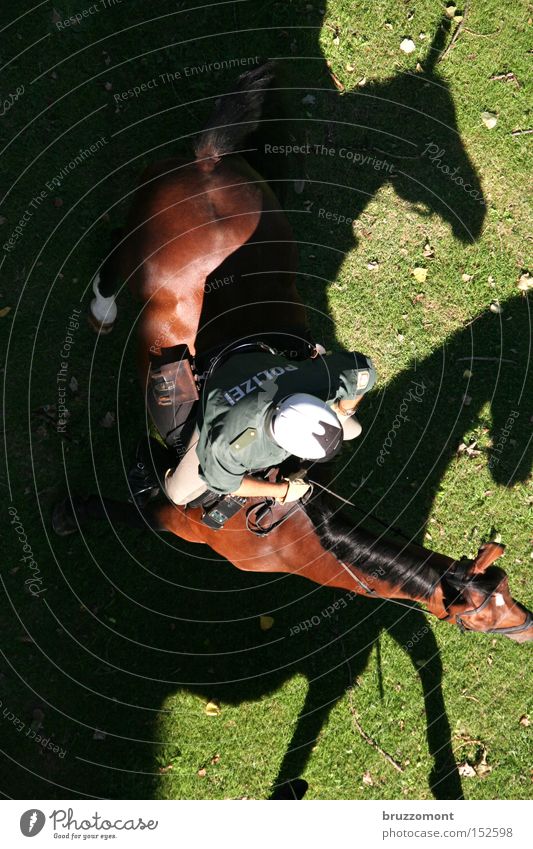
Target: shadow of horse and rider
x=225, y=649
x=394, y=121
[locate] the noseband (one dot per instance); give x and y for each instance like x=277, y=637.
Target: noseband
x=461, y=581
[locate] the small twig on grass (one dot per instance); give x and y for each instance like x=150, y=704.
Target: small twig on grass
x=484, y=34
x=486, y=359
x=506, y=78
x=455, y=36
x=521, y=132
x=372, y=742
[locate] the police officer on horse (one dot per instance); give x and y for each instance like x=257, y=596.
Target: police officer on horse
x=257, y=410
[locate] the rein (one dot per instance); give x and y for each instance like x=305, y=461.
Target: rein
x=460, y=572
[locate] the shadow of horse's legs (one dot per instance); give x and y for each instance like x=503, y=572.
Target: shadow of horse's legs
x=414, y=635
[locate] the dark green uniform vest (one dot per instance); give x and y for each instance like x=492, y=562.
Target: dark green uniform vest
x=238, y=398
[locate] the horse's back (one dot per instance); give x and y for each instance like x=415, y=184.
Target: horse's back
x=192, y=233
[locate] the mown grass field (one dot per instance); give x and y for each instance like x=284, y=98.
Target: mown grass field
x=132, y=635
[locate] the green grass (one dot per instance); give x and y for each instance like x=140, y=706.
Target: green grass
x=135, y=634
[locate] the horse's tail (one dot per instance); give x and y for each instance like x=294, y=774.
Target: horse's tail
x=235, y=116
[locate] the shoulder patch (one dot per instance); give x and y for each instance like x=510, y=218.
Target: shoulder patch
x=363, y=376
x=244, y=439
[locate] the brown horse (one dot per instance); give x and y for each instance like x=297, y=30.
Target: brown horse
x=209, y=253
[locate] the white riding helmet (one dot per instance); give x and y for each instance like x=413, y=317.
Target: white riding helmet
x=306, y=427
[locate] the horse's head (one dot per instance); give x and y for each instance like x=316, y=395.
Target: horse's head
x=482, y=601
x=410, y=122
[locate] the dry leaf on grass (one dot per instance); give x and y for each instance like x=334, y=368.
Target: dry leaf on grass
x=525, y=282
x=367, y=779
x=420, y=274
x=490, y=119
x=466, y=771
x=407, y=45
x=212, y=708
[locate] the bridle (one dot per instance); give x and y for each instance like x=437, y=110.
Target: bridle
x=458, y=576
x=511, y=629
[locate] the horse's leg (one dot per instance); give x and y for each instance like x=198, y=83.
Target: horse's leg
x=75, y=512
x=102, y=309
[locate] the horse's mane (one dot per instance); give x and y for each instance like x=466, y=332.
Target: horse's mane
x=399, y=565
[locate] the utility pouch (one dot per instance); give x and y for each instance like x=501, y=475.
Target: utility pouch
x=217, y=515
x=173, y=383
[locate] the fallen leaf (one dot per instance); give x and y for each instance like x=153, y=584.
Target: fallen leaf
x=420, y=274
x=483, y=768
x=407, y=45
x=367, y=779
x=373, y=265
x=108, y=420
x=490, y=119
x=450, y=10
x=524, y=720
x=266, y=622
x=466, y=771
x=4, y=311
x=349, y=68
x=361, y=82
x=466, y=278
x=213, y=709
x=215, y=759
x=525, y=282
x=163, y=769
x=496, y=308
x=202, y=773
x=429, y=251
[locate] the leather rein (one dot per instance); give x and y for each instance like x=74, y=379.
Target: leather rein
x=258, y=512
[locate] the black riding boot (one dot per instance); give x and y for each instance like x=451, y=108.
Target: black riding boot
x=146, y=477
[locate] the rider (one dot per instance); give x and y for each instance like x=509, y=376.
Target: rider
x=259, y=410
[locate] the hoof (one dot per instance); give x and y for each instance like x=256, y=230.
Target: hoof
x=99, y=327
x=63, y=521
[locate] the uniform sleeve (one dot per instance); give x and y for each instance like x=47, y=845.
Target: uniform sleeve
x=356, y=375
x=219, y=470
